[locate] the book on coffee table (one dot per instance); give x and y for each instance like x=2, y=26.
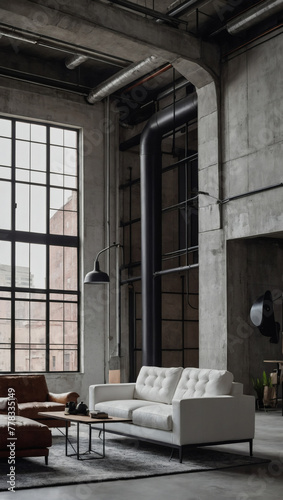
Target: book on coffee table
x=98, y=414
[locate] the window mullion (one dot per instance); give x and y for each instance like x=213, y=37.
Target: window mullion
x=13, y=248
x=47, y=325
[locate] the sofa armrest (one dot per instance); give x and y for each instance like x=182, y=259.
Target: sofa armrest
x=214, y=419
x=8, y=403
x=237, y=389
x=110, y=392
x=63, y=398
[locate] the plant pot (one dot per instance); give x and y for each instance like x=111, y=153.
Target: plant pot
x=269, y=396
x=259, y=403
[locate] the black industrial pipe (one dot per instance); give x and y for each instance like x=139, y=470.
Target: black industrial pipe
x=151, y=220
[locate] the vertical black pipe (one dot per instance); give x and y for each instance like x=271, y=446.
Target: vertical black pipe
x=151, y=220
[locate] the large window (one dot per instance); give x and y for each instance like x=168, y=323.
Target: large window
x=39, y=296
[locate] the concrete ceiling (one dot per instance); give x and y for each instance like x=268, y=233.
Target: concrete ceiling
x=38, y=37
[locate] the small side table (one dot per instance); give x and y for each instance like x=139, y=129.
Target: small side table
x=278, y=366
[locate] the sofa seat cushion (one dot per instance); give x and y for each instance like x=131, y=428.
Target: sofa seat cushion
x=154, y=416
x=122, y=408
x=28, y=433
x=30, y=410
x=201, y=382
x=157, y=384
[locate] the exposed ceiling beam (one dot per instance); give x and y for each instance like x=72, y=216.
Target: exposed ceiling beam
x=148, y=12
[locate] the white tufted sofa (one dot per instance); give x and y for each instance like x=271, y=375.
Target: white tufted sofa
x=179, y=407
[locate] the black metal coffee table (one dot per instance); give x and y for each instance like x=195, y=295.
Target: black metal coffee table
x=92, y=423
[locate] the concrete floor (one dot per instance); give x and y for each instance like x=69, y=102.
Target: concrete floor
x=239, y=483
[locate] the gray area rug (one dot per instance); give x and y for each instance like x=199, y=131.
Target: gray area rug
x=125, y=459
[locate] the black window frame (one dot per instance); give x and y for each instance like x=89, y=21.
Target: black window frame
x=65, y=241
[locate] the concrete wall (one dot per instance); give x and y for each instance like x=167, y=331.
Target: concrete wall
x=29, y=101
x=240, y=150
x=254, y=266
x=252, y=146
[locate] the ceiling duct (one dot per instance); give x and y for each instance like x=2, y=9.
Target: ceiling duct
x=76, y=60
x=122, y=78
x=186, y=7
x=253, y=16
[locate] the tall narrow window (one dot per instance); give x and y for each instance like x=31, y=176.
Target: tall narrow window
x=39, y=296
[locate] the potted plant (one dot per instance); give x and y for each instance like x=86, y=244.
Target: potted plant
x=266, y=394
x=269, y=392
x=259, y=389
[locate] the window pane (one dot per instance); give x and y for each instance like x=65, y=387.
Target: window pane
x=56, y=332
x=22, y=310
x=21, y=360
x=56, y=198
x=22, y=265
x=38, y=310
x=38, y=266
x=38, y=156
x=38, y=133
x=5, y=330
x=70, y=200
x=38, y=361
x=70, y=223
x=23, y=130
x=70, y=138
x=22, y=207
x=56, y=311
x=70, y=268
x=5, y=128
x=56, y=180
x=70, y=360
x=22, y=332
x=30, y=265
x=56, y=159
x=70, y=312
x=56, y=360
x=56, y=225
x=5, y=152
x=70, y=161
x=5, y=263
x=70, y=182
x=56, y=267
x=5, y=358
x=5, y=173
x=22, y=154
x=56, y=136
x=38, y=209
x=71, y=335
x=5, y=205
x=22, y=175
x=38, y=332
x=38, y=177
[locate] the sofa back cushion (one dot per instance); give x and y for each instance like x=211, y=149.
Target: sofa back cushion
x=201, y=382
x=28, y=388
x=157, y=384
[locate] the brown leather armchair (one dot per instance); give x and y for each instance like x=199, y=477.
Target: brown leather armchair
x=33, y=396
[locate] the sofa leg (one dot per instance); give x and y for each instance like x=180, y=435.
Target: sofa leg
x=46, y=460
x=181, y=454
x=251, y=447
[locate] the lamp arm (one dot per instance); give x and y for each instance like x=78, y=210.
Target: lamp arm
x=104, y=250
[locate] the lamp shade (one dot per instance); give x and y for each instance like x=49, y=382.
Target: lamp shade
x=96, y=276
x=262, y=316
